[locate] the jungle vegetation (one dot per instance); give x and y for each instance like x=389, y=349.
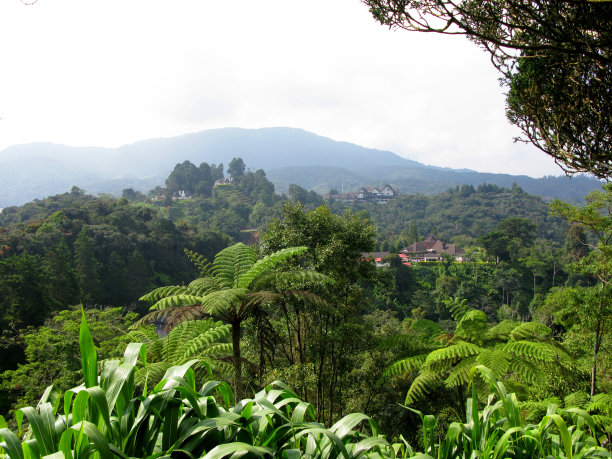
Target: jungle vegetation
x=514, y=343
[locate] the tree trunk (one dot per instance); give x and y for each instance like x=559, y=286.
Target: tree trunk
x=237, y=359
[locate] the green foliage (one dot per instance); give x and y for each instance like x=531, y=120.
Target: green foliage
x=203, y=340
x=52, y=353
x=230, y=292
x=174, y=417
x=517, y=352
x=498, y=431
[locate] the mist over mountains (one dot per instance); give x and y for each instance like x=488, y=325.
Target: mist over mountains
x=288, y=155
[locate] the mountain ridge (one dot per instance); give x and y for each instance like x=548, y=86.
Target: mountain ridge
x=287, y=155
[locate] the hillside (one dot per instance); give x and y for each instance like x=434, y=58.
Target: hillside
x=289, y=155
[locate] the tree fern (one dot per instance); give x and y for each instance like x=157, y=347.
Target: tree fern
x=235, y=285
x=513, y=351
x=203, y=340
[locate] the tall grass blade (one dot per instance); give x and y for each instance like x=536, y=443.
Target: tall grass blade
x=89, y=359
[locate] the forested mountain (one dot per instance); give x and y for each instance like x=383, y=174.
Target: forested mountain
x=288, y=155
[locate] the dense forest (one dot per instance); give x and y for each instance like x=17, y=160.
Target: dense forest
x=302, y=303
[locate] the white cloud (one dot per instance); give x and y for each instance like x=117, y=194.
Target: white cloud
x=93, y=72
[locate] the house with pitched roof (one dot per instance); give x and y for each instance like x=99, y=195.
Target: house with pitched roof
x=431, y=249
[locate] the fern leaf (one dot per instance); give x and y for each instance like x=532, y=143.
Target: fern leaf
x=180, y=299
x=225, y=303
x=525, y=371
x=200, y=262
x=426, y=327
x=266, y=264
x=576, y=399
x=495, y=360
x=530, y=350
x=424, y=383
x=456, y=307
x=530, y=330
x=501, y=331
x=447, y=356
x=460, y=373
x=162, y=292
x=404, y=366
x=202, y=286
x=232, y=263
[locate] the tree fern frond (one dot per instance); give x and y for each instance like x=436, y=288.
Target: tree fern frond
x=202, y=286
x=456, y=307
x=312, y=299
x=472, y=326
x=501, y=331
x=181, y=299
x=404, y=366
x=426, y=327
x=424, y=383
x=217, y=350
x=530, y=330
x=152, y=317
x=530, y=350
x=300, y=278
x=262, y=297
x=495, y=360
x=232, y=263
x=200, y=262
x=152, y=373
x=576, y=399
x=460, y=373
x=163, y=292
x=266, y=263
x=404, y=342
x=525, y=371
x=447, y=356
x=602, y=403
x=224, y=303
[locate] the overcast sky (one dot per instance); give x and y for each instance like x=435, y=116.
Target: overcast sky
x=111, y=72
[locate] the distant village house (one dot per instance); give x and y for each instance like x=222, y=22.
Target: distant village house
x=431, y=249
x=366, y=194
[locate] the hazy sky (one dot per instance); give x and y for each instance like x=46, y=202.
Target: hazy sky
x=110, y=72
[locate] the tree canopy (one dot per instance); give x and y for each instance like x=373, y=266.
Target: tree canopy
x=555, y=59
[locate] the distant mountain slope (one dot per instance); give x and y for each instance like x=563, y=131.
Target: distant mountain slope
x=287, y=155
